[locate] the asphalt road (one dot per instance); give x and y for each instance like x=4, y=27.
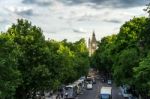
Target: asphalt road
x=94, y=93
x=90, y=94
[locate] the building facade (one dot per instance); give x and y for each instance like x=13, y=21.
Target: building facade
x=92, y=44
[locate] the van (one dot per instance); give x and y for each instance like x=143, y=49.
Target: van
x=105, y=93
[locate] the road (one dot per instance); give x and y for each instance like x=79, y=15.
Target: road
x=94, y=93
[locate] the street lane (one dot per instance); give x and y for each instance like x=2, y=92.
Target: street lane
x=94, y=93
x=90, y=94
x=116, y=93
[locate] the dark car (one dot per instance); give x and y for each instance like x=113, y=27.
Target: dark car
x=102, y=80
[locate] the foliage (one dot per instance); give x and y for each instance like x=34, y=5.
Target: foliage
x=10, y=76
x=29, y=63
x=142, y=74
x=103, y=57
x=126, y=55
x=123, y=66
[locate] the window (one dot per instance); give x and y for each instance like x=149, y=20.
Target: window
x=105, y=96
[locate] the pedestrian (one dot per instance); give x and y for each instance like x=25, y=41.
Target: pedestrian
x=42, y=95
x=62, y=95
x=61, y=92
x=51, y=93
x=58, y=95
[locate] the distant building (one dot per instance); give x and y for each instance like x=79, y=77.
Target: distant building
x=92, y=44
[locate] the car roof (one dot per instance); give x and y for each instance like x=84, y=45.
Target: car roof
x=106, y=90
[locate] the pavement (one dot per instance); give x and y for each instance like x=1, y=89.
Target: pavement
x=52, y=97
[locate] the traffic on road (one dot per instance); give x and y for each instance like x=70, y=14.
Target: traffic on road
x=91, y=87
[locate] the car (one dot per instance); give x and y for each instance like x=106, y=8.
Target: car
x=109, y=82
x=102, y=80
x=125, y=91
x=89, y=85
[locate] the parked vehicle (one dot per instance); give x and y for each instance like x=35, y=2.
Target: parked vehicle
x=89, y=79
x=82, y=81
x=103, y=79
x=106, y=93
x=70, y=91
x=78, y=84
x=125, y=91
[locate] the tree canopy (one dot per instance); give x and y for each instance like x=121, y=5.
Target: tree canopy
x=29, y=63
x=126, y=55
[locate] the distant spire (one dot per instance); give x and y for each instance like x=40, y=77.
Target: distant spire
x=92, y=44
x=93, y=37
x=93, y=33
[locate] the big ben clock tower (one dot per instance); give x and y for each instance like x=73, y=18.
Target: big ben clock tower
x=92, y=44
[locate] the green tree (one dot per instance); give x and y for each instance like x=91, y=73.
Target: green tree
x=142, y=76
x=123, y=66
x=81, y=58
x=33, y=64
x=126, y=54
x=68, y=58
x=10, y=76
x=103, y=57
x=126, y=48
x=36, y=64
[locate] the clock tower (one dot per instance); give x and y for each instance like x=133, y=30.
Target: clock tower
x=92, y=44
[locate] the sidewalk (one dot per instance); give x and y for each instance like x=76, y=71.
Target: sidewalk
x=52, y=97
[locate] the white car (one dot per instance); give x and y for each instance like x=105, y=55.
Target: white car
x=89, y=86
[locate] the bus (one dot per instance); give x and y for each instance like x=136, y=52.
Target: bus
x=71, y=91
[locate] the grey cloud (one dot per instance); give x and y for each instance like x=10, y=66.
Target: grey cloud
x=3, y=21
x=38, y=2
x=108, y=3
x=88, y=18
x=78, y=31
x=23, y=11
x=27, y=12
x=112, y=20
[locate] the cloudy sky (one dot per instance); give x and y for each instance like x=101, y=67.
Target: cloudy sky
x=72, y=19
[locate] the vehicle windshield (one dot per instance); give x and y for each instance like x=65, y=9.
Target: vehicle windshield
x=68, y=88
x=104, y=96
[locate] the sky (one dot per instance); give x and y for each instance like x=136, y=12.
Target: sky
x=72, y=19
